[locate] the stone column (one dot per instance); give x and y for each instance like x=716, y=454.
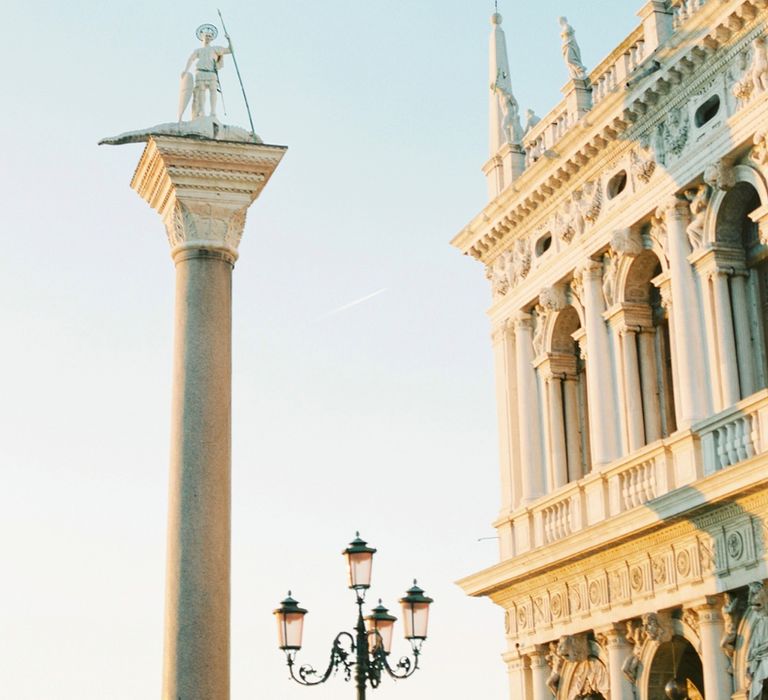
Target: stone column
x=691, y=393
x=726, y=345
x=539, y=673
x=557, y=432
x=634, y=408
x=718, y=683
x=528, y=411
x=649, y=384
x=602, y=413
x=618, y=650
x=743, y=330
x=519, y=676
x=573, y=435
x=202, y=190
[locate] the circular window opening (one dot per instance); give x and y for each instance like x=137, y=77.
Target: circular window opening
x=707, y=111
x=617, y=184
x=543, y=244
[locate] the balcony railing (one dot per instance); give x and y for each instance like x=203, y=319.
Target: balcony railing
x=716, y=443
x=683, y=10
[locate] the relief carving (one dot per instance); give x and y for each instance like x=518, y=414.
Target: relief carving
x=720, y=175
x=732, y=610
x=699, y=198
x=760, y=148
x=642, y=162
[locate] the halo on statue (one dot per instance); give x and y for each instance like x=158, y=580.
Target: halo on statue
x=206, y=29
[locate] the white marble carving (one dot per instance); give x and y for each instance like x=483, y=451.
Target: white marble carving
x=757, y=656
x=699, y=198
x=571, y=51
x=208, y=60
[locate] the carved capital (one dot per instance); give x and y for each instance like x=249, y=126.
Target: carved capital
x=523, y=321
x=590, y=269
x=673, y=208
x=553, y=298
x=202, y=189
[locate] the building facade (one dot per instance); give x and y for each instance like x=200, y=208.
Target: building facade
x=626, y=245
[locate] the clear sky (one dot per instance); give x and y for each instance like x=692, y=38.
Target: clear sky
x=380, y=417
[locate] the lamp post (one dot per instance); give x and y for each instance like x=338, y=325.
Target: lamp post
x=366, y=650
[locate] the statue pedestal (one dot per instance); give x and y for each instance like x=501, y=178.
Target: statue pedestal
x=578, y=97
x=202, y=189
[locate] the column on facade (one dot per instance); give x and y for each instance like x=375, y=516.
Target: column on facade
x=690, y=362
x=602, y=412
x=519, y=674
x=539, y=672
x=666, y=302
x=557, y=448
x=726, y=343
x=529, y=427
x=203, y=205
x=618, y=650
x=573, y=427
x=632, y=391
x=503, y=338
x=718, y=683
x=743, y=329
x=649, y=372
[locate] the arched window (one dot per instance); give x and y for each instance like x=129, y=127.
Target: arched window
x=646, y=355
x=739, y=285
x=566, y=381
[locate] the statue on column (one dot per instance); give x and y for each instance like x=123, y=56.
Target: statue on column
x=209, y=61
x=571, y=51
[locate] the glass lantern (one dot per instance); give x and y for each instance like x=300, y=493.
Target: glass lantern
x=359, y=563
x=290, y=624
x=380, y=625
x=415, y=613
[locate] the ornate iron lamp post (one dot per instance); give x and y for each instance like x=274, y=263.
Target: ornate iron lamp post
x=368, y=648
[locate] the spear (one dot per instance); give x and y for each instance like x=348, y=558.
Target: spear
x=237, y=70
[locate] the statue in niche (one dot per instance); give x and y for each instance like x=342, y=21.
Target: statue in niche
x=732, y=609
x=571, y=51
x=510, y=111
x=757, y=655
x=208, y=61
x=699, y=199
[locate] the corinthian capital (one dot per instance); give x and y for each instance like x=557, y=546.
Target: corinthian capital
x=202, y=189
x=674, y=208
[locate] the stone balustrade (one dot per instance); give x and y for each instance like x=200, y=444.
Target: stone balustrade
x=613, y=72
x=725, y=439
x=683, y=10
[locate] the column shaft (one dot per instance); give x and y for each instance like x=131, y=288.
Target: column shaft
x=559, y=463
x=528, y=414
x=743, y=331
x=726, y=345
x=691, y=392
x=650, y=385
x=717, y=681
x=632, y=391
x=602, y=414
x=196, y=655
x=539, y=673
x=573, y=436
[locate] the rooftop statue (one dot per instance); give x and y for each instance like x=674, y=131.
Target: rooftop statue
x=208, y=60
x=571, y=51
x=510, y=110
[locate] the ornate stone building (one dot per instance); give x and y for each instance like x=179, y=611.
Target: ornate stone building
x=626, y=245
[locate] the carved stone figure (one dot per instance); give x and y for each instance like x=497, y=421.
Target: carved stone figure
x=642, y=163
x=675, y=131
x=538, y=332
x=510, y=111
x=498, y=275
x=590, y=202
x=720, y=175
x=571, y=51
x=556, y=663
x=744, y=86
x=611, y=268
x=759, y=67
x=636, y=636
x=699, y=199
x=732, y=610
x=531, y=120
x=757, y=655
x=760, y=148
x=209, y=60
x=521, y=260
x=658, y=627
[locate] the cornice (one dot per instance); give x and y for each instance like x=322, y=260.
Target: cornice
x=547, y=183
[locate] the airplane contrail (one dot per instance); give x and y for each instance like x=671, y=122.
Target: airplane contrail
x=344, y=307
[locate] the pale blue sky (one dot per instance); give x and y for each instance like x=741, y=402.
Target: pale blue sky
x=379, y=418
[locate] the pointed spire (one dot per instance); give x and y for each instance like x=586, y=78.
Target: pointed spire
x=504, y=112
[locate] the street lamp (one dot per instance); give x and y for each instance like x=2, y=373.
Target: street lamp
x=367, y=650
